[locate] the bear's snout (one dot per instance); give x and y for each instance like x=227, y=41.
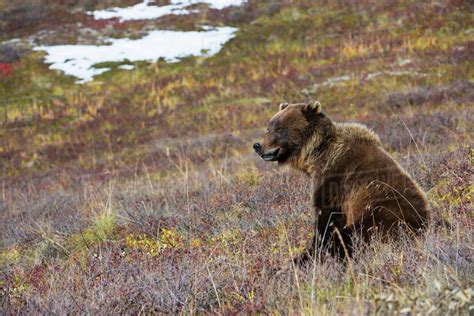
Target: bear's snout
x=258, y=148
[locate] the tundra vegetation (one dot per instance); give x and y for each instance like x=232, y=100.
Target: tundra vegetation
x=140, y=192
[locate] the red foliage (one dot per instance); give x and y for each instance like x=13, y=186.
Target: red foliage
x=5, y=69
x=36, y=277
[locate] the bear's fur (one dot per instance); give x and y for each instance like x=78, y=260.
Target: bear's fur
x=357, y=186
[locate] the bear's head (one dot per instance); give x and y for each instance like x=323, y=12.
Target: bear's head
x=289, y=130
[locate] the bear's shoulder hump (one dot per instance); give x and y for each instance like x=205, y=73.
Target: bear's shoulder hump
x=357, y=131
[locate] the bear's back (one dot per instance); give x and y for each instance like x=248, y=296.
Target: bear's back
x=373, y=184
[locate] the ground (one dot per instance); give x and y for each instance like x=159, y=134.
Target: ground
x=140, y=191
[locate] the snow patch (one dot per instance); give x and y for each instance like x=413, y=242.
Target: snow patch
x=126, y=67
x=77, y=60
x=147, y=11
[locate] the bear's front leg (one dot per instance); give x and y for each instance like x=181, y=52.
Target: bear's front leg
x=336, y=238
x=330, y=236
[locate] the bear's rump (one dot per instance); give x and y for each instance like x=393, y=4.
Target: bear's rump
x=383, y=207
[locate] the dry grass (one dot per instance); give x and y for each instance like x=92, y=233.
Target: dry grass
x=143, y=195
x=200, y=242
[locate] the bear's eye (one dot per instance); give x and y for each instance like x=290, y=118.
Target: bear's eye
x=275, y=129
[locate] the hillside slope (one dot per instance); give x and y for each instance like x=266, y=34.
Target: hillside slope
x=140, y=192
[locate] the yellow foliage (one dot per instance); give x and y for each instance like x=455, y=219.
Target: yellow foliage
x=429, y=42
x=143, y=243
x=351, y=50
x=228, y=237
x=458, y=196
x=9, y=256
x=196, y=243
x=19, y=287
x=14, y=115
x=168, y=239
x=281, y=243
x=249, y=177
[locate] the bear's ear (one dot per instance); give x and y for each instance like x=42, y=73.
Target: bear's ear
x=283, y=106
x=314, y=106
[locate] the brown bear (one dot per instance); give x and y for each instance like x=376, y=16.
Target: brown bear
x=358, y=188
